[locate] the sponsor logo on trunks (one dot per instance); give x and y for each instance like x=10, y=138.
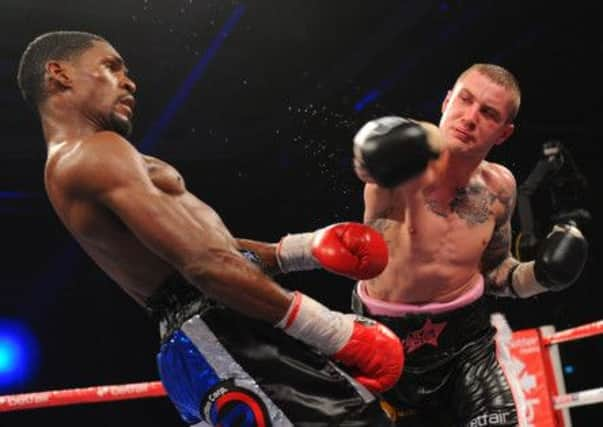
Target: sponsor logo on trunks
x=227, y=405
x=428, y=334
x=493, y=419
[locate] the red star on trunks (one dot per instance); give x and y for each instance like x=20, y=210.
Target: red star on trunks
x=428, y=334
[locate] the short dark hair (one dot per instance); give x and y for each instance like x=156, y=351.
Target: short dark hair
x=61, y=45
x=502, y=77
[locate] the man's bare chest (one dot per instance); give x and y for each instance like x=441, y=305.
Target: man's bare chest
x=474, y=204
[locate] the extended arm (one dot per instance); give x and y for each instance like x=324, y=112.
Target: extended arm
x=108, y=171
x=111, y=173
x=348, y=249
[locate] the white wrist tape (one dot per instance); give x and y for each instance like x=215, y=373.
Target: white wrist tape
x=294, y=253
x=311, y=322
x=524, y=281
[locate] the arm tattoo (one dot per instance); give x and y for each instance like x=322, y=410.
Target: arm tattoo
x=380, y=221
x=380, y=224
x=498, y=248
x=497, y=264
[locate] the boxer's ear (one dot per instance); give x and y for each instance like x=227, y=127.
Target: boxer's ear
x=508, y=130
x=58, y=75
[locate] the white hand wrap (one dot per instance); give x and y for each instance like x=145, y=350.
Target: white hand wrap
x=523, y=281
x=311, y=322
x=294, y=253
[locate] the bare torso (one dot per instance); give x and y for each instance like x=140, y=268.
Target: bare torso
x=113, y=247
x=436, y=236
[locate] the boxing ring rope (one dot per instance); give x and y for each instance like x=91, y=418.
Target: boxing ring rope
x=75, y=396
x=579, y=398
x=579, y=332
x=141, y=390
x=584, y=397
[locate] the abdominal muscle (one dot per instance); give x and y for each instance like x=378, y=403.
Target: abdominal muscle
x=421, y=283
x=432, y=258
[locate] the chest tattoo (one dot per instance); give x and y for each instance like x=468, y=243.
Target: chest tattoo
x=471, y=203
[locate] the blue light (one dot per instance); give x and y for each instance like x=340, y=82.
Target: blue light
x=18, y=354
x=17, y=195
x=568, y=369
x=178, y=100
x=367, y=99
x=9, y=354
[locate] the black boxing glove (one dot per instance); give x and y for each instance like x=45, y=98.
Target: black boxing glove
x=391, y=150
x=561, y=257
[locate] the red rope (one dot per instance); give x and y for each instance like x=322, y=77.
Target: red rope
x=576, y=333
x=105, y=393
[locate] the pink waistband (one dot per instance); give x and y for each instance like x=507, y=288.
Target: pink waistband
x=384, y=308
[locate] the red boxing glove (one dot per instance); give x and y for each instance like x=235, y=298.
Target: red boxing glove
x=372, y=352
x=350, y=249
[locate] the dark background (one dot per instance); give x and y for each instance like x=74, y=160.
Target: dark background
x=263, y=134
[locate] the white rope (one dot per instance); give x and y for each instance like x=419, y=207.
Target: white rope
x=578, y=398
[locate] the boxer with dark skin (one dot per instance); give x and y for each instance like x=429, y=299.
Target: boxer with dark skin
x=133, y=215
x=130, y=212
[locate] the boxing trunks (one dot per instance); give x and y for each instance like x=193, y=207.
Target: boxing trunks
x=452, y=376
x=227, y=369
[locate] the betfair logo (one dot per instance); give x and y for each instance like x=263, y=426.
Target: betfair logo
x=495, y=419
